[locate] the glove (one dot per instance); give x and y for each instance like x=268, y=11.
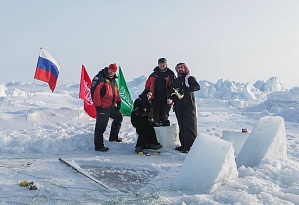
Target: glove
x=153, y=123
x=118, y=105
x=169, y=101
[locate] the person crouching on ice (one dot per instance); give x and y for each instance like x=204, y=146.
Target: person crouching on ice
x=142, y=120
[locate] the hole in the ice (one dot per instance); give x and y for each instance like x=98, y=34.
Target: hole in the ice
x=124, y=178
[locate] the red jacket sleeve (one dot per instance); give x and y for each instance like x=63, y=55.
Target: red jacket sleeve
x=97, y=97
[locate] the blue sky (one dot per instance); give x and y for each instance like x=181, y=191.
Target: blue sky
x=243, y=41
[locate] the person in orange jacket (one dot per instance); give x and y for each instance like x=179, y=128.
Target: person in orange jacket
x=106, y=99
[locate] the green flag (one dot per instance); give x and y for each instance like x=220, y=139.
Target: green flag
x=126, y=100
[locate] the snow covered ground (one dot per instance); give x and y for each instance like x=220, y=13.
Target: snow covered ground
x=56, y=127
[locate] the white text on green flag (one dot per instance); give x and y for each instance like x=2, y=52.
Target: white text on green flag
x=126, y=100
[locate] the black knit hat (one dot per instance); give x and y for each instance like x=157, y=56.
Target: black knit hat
x=162, y=60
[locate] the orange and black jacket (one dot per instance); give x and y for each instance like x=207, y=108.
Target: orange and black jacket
x=151, y=81
x=104, y=90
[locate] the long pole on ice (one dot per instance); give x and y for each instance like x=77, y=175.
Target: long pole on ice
x=91, y=178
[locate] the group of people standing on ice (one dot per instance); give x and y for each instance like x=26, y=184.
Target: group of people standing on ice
x=163, y=90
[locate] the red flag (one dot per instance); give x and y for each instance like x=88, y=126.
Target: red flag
x=85, y=85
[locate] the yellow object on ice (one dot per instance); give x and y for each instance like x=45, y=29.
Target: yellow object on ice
x=24, y=183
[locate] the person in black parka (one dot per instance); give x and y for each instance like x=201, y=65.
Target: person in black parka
x=160, y=82
x=183, y=97
x=142, y=120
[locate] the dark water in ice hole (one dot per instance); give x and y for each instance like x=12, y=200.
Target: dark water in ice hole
x=124, y=178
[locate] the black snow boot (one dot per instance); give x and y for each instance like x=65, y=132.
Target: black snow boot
x=102, y=149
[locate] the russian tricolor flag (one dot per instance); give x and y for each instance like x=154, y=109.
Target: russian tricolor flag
x=47, y=69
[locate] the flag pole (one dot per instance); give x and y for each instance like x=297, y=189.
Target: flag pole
x=79, y=107
x=79, y=94
x=40, y=50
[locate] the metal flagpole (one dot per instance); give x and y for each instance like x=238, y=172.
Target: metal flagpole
x=79, y=107
x=29, y=99
x=79, y=95
x=40, y=50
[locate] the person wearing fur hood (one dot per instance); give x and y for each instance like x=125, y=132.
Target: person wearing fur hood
x=182, y=94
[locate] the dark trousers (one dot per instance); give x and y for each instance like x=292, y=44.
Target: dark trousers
x=146, y=133
x=161, y=111
x=187, y=121
x=103, y=115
